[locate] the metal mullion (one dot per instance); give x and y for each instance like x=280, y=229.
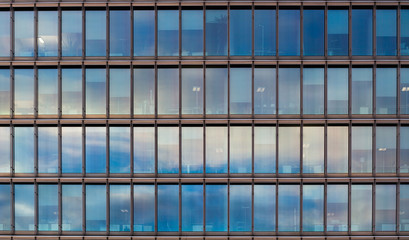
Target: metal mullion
x=276, y=208
x=156, y=89
x=180, y=35
x=204, y=149
x=325, y=149
x=131, y=54
x=252, y=149
x=108, y=47
x=156, y=152
x=180, y=89
x=350, y=90
x=35, y=69
x=252, y=37
x=59, y=91
x=397, y=212
x=131, y=142
x=326, y=34
x=252, y=206
x=12, y=37
x=83, y=32
x=131, y=214
x=156, y=39
x=228, y=148
x=276, y=149
x=325, y=206
x=374, y=90
x=83, y=150
x=35, y=149
x=373, y=184
x=228, y=206
x=108, y=213
x=350, y=31
x=301, y=205
x=301, y=140
x=36, y=201
x=276, y=90
x=398, y=90
x=374, y=54
x=59, y=207
x=35, y=9
x=252, y=89
x=349, y=206
x=12, y=208
x=131, y=94
x=11, y=160
x=107, y=92
x=228, y=40
x=180, y=149
x=107, y=163
x=180, y=206
x=83, y=198
x=156, y=206
x=204, y=31
x=398, y=127
x=204, y=206
x=276, y=36
x=59, y=54
x=398, y=30
x=84, y=94
x=349, y=149
x=301, y=29
x=302, y=90
x=326, y=90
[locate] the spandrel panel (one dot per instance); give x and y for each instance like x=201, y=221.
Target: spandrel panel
x=48, y=207
x=362, y=32
x=119, y=33
x=216, y=149
x=119, y=150
x=144, y=32
x=144, y=208
x=240, y=32
x=240, y=90
x=144, y=149
x=119, y=208
x=71, y=91
x=288, y=208
x=264, y=149
x=240, y=208
x=289, y=32
x=192, y=208
x=71, y=149
x=23, y=91
x=240, y=149
x=47, y=91
x=264, y=32
x=216, y=208
x=95, y=149
x=24, y=150
x=313, y=23
x=95, y=205
x=168, y=150
x=192, y=32
x=168, y=33
x=289, y=150
x=337, y=32
x=71, y=33
x=168, y=208
x=47, y=40
x=47, y=149
x=264, y=207
x=361, y=208
x=24, y=207
x=95, y=33
x=192, y=150
x=216, y=32
x=24, y=33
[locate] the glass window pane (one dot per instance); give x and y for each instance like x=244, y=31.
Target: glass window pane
x=24, y=33
x=4, y=33
x=71, y=36
x=144, y=208
x=216, y=208
x=240, y=32
x=289, y=150
x=385, y=212
x=361, y=91
x=47, y=207
x=216, y=90
x=264, y=207
x=386, y=90
x=23, y=91
x=24, y=207
x=95, y=89
x=264, y=91
x=192, y=90
x=168, y=91
x=47, y=40
x=24, y=149
x=192, y=208
x=337, y=208
x=144, y=32
x=47, y=91
x=71, y=207
x=361, y=208
x=337, y=32
x=95, y=207
x=71, y=91
x=404, y=150
x=4, y=90
x=144, y=91
x=385, y=149
x=168, y=33
x=289, y=32
x=168, y=208
x=119, y=33
x=119, y=93
x=216, y=32
x=313, y=208
x=192, y=150
x=119, y=150
x=95, y=149
x=5, y=207
x=240, y=149
x=71, y=150
x=264, y=32
x=216, y=149
x=95, y=33
x=288, y=208
x=313, y=32
x=168, y=150
x=264, y=149
x=386, y=32
x=404, y=32
x=361, y=152
x=119, y=208
x=337, y=80
x=404, y=90
x=240, y=208
x=289, y=91
x=313, y=91
x=337, y=149
x=362, y=32
x=47, y=149
x=5, y=150
x=192, y=32
x=144, y=149
x=404, y=207
x=313, y=149
x=240, y=90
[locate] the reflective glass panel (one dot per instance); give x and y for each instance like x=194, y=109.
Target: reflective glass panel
x=362, y=32
x=47, y=207
x=288, y=208
x=313, y=91
x=404, y=90
x=216, y=91
x=168, y=208
x=119, y=208
x=313, y=150
x=192, y=90
x=168, y=150
x=47, y=40
x=5, y=206
x=337, y=32
x=361, y=152
x=240, y=90
x=95, y=88
x=385, y=149
x=144, y=91
x=71, y=36
x=264, y=91
x=264, y=32
x=144, y=32
x=4, y=33
x=119, y=33
x=404, y=207
x=192, y=150
x=385, y=207
x=404, y=32
x=289, y=150
x=144, y=149
x=386, y=90
x=71, y=91
x=95, y=33
x=47, y=91
x=289, y=32
x=144, y=208
x=95, y=149
x=337, y=95
x=168, y=33
x=216, y=149
x=361, y=208
x=71, y=207
x=404, y=151
x=4, y=90
x=337, y=208
x=216, y=208
x=5, y=151
x=119, y=91
x=47, y=149
x=24, y=33
x=168, y=91
x=240, y=149
x=337, y=149
x=95, y=206
x=313, y=24
x=240, y=32
x=313, y=208
x=240, y=208
x=24, y=207
x=24, y=149
x=119, y=150
x=192, y=208
x=216, y=32
x=361, y=91
x=71, y=150
x=264, y=149
x=23, y=91
x=192, y=32
x=264, y=207
x=289, y=91
x=386, y=32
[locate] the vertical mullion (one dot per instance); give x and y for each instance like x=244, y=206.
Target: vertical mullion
x=108, y=47
x=108, y=213
x=12, y=208
x=36, y=201
x=59, y=207
x=156, y=206
x=180, y=206
x=83, y=31
x=84, y=212
x=252, y=37
x=398, y=30
x=35, y=32
x=35, y=149
x=131, y=142
x=397, y=212
x=349, y=206
x=131, y=94
x=107, y=150
x=398, y=144
x=59, y=114
x=107, y=90
x=325, y=206
x=59, y=44
x=83, y=150
x=131, y=54
x=131, y=214
x=373, y=184
x=325, y=149
x=301, y=205
x=374, y=30
x=12, y=37
x=301, y=90
x=326, y=33
x=301, y=30
x=350, y=31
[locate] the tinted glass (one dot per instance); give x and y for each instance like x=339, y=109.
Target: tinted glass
x=240, y=90
x=24, y=149
x=95, y=88
x=95, y=33
x=47, y=207
x=192, y=32
x=361, y=208
x=386, y=32
x=5, y=150
x=24, y=33
x=313, y=32
x=144, y=149
x=289, y=32
x=192, y=208
x=47, y=149
x=119, y=150
x=192, y=150
x=4, y=90
x=95, y=149
x=386, y=90
x=168, y=91
x=264, y=207
x=168, y=150
x=168, y=33
x=216, y=90
x=313, y=91
x=5, y=206
x=47, y=40
x=168, y=208
x=71, y=36
x=404, y=90
x=119, y=93
x=119, y=33
x=216, y=32
x=4, y=33
x=216, y=208
x=144, y=91
x=216, y=149
x=144, y=208
x=313, y=150
x=240, y=149
x=95, y=206
x=361, y=152
x=289, y=150
x=71, y=150
x=47, y=91
x=337, y=208
x=385, y=149
x=361, y=91
x=404, y=32
x=264, y=91
x=404, y=207
x=313, y=208
x=24, y=207
x=289, y=91
x=71, y=207
x=192, y=90
x=337, y=95
x=71, y=91
x=264, y=32
x=288, y=208
x=144, y=32
x=337, y=32
x=362, y=32
x=264, y=149
x=385, y=207
x=404, y=150
x=240, y=208
x=119, y=208
x=337, y=149
x=240, y=32
x=23, y=92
